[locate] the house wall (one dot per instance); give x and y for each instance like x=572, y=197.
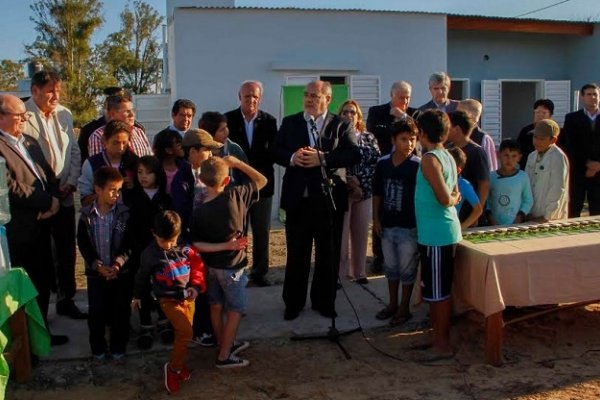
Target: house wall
x=211, y=51
x=583, y=58
x=509, y=56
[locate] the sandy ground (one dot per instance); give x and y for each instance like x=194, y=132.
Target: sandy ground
x=556, y=356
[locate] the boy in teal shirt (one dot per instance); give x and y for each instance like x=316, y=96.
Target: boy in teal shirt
x=438, y=227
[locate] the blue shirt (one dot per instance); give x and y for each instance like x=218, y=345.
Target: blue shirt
x=437, y=225
x=467, y=192
x=508, y=196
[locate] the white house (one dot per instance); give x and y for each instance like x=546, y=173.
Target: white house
x=494, y=51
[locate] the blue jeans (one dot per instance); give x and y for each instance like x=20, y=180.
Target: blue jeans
x=228, y=288
x=400, y=254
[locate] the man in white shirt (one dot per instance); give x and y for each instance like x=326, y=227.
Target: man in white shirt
x=51, y=125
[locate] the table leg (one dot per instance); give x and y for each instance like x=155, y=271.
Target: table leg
x=494, y=329
x=22, y=361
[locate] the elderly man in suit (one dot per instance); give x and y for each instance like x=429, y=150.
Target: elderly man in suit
x=381, y=117
x=51, y=125
x=439, y=87
x=31, y=185
x=315, y=146
x=582, y=145
x=254, y=130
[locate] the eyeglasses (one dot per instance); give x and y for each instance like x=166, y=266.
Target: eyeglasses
x=24, y=115
x=349, y=112
x=312, y=95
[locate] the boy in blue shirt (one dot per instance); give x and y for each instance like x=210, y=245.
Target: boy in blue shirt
x=510, y=198
x=467, y=191
x=394, y=218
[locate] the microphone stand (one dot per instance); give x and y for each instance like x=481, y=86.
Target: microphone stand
x=333, y=334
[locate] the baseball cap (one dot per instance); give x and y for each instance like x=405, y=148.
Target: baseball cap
x=547, y=128
x=199, y=137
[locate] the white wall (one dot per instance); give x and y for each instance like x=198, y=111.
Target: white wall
x=212, y=50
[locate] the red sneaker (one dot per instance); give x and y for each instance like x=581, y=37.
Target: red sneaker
x=172, y=379
x=184, y=374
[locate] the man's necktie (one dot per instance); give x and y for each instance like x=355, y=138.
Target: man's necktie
x=314, y=133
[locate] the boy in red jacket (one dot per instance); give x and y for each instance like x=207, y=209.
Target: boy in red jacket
x=177, y=274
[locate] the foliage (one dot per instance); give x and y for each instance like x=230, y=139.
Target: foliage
x=133, y=53
x=65, y=29
x=10, y=74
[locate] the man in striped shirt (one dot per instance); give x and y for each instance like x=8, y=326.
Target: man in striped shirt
x=121, y=108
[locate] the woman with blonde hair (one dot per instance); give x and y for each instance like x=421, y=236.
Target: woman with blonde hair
x=353, y=254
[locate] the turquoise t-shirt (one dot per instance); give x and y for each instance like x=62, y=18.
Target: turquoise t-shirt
x=437, y=225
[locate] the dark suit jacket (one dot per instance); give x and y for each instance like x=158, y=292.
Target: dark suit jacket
x=259, y=152
x=28, y=195
x=582, y=142
x=338, y=142
x=450, y=106
x=379, y=122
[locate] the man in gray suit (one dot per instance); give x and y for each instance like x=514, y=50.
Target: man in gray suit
x=51, y=125
x=439, y=87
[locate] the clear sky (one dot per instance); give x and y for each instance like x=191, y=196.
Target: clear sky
x=18, y=30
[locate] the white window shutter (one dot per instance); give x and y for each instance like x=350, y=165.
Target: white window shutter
x=491, y=119
x=300, y=80
x=365, y=89
x=560, y=94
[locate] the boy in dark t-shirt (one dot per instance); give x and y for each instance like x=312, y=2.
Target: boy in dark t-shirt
x=477, y=168
x=218, y=226
x=394, y=218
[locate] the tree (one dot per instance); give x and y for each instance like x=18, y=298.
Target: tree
x=10, y=74
x=133, y=53
x=65, y=29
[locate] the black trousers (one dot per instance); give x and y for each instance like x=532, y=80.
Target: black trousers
x=202, y=323
x=62, y=231
x=35, y=257
x=259, y=216
x=109, y=305
x=579, y=187
x=303, y=225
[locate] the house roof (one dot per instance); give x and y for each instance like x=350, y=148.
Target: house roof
x=549, y=10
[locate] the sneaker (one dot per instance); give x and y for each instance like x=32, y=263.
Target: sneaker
x=145, y=340
x=165, y=332
x=238, y=347
x=172, y=379
x=185, y=374
x=118, y=358
x=99, y=358
x=205, y=340
x=232, y=362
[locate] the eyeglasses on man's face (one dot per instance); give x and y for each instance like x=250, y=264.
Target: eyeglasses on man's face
x=24, y=115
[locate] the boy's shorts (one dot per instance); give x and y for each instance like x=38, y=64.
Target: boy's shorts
x=400, y=254
x=228, y=288
x=437, y=271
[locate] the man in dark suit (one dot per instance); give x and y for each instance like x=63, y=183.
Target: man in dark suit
x=379, y=121
x=582, y=145
x=309, y=144
x=31, y=185
x=254, y=130
x=381, y=117
x=439, y=87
